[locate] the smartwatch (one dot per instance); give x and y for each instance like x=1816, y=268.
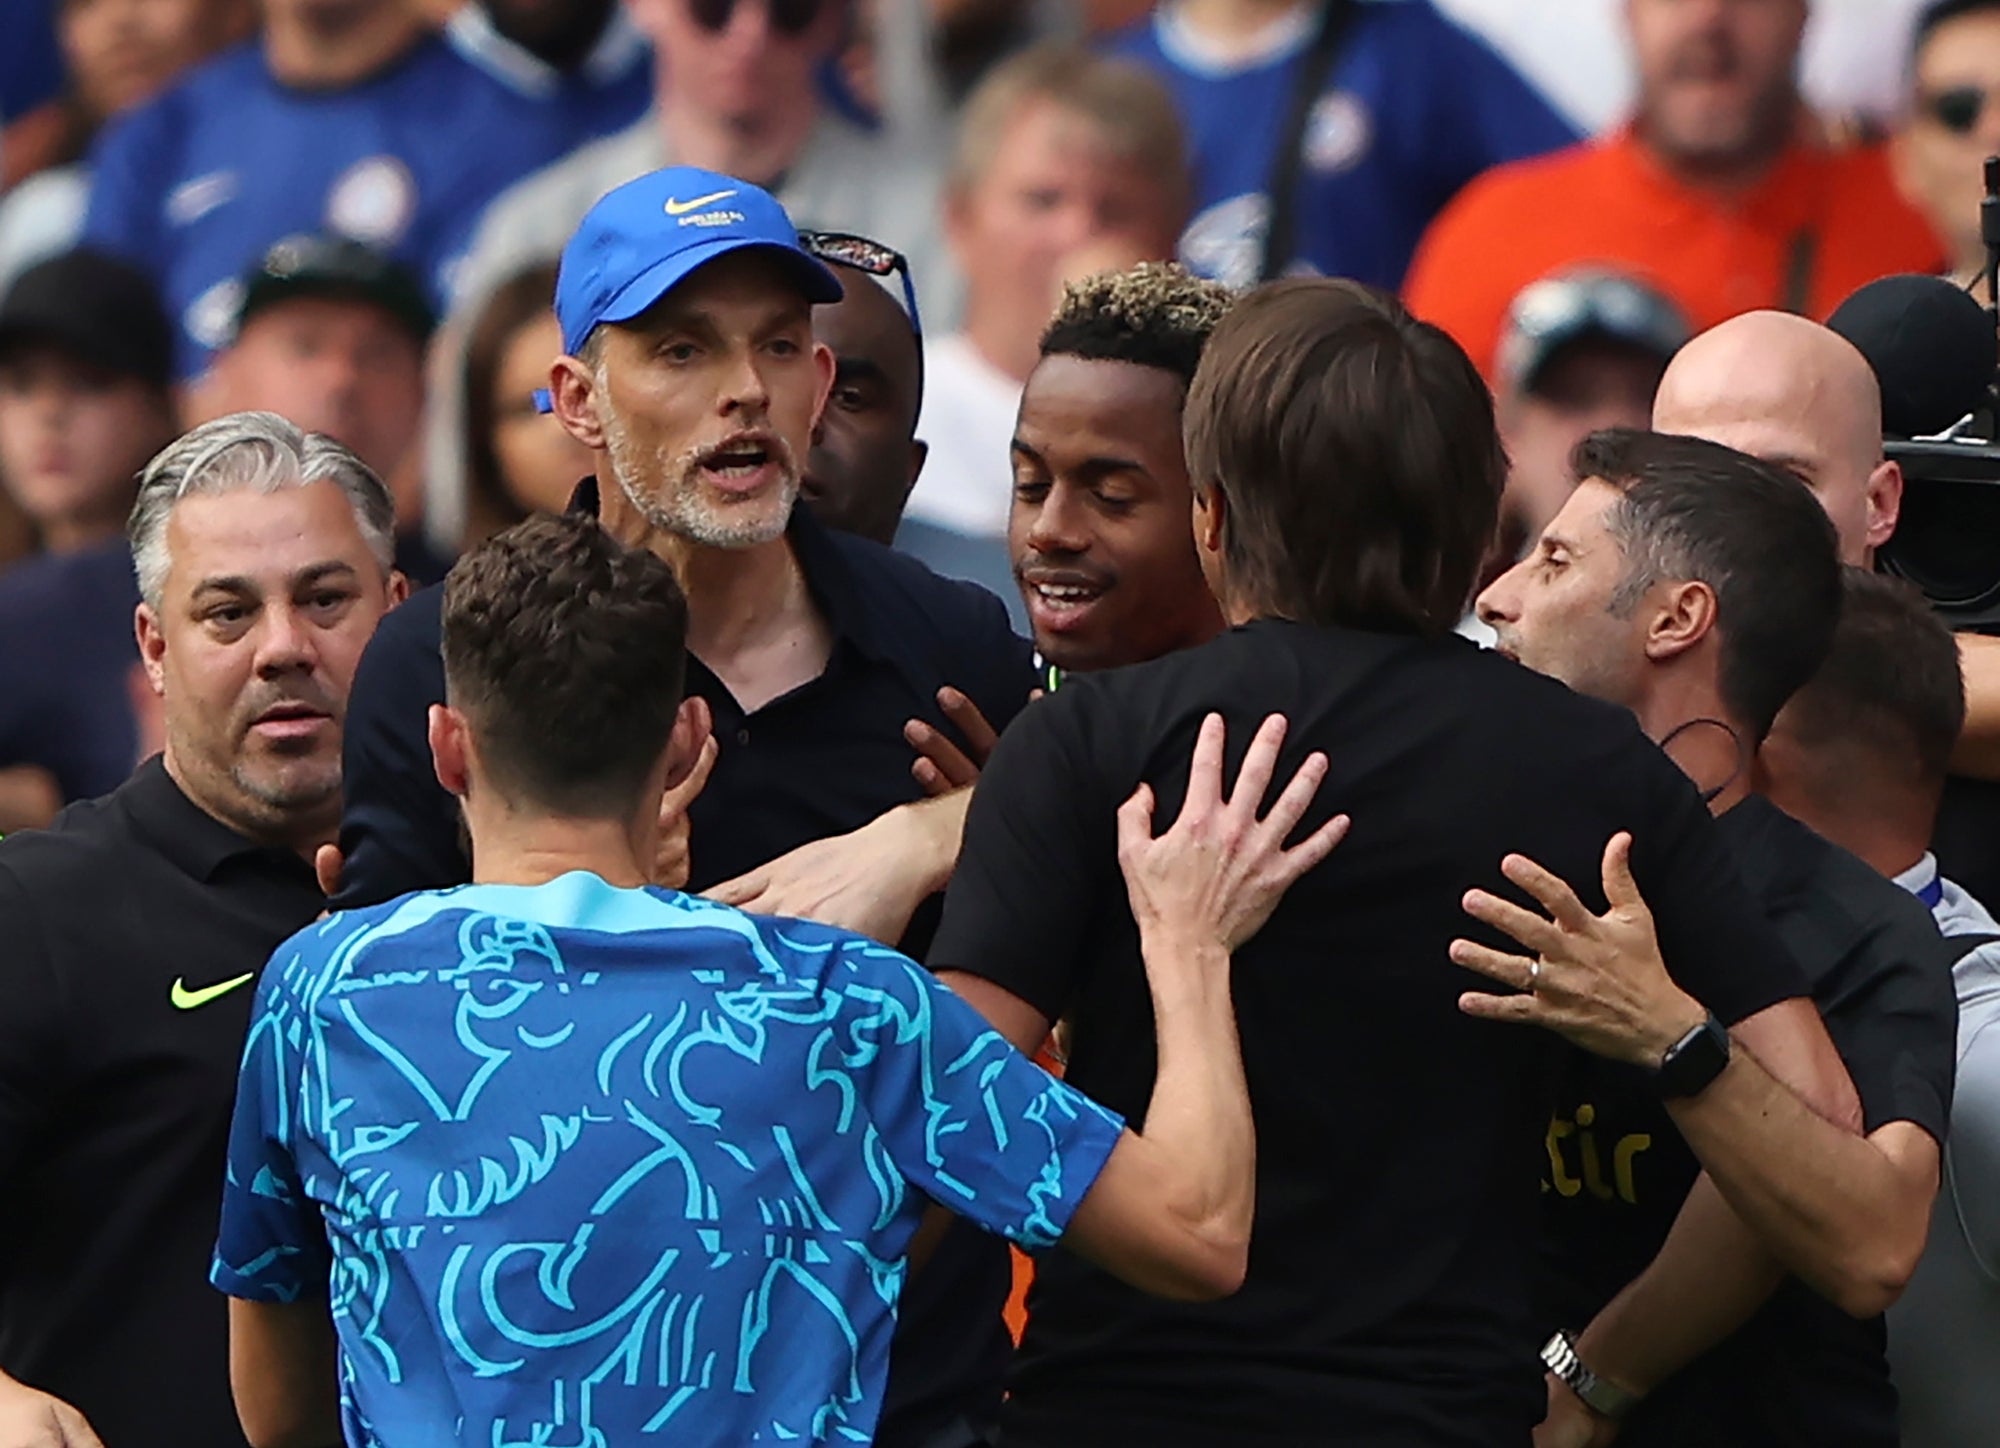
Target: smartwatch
x=1693, y=1061
x=1606, y=1399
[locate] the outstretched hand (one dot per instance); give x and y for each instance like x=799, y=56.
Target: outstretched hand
x=1219, y=871
x=941, y=766
x=1597, y=980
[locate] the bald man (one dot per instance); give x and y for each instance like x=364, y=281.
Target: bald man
x=1795, y=394
x=1799, y=396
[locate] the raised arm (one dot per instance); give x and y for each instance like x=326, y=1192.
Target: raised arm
x=1847, y=1213
x=1171, y=1211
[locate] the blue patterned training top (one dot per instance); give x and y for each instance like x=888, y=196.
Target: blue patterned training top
x=582, y=1164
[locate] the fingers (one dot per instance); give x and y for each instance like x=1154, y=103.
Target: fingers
x=946, y=759
x=1260, y=762
x=1551, y=889
x=1291, y=806
x=931, y=779
x=75, y=1428
x=1205, y=770
x=1536, y=933
x=1621, y=891
x=1519, y=1010
x=966, y=718
x=1515, y=970
x=327, y=865
x=741, y=890
x=1135, y=821
x=1313, y=848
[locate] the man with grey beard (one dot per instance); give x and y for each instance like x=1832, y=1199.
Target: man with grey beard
x=691, y=372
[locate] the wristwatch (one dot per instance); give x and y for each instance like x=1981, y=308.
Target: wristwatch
x=1606, y=1399
x=1694, y=1060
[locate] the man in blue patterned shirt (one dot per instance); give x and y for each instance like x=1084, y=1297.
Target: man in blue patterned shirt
x=562, y=1156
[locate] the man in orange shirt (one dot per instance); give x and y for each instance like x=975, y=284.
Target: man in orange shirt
x=1719, y=191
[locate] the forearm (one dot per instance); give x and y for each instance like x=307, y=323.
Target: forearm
x=1198, y=1123
x=1831, y=1206
x=1711, y=1274
x=940, y=827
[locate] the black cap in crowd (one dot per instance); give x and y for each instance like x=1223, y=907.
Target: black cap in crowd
x=339, y=267
x=1589, y=302
x=96, y=308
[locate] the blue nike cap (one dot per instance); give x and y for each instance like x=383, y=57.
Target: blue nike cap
x=642, y=240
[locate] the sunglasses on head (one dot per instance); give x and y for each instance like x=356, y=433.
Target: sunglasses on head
x=1958, y=109
x=788, y=17
x=868, y=256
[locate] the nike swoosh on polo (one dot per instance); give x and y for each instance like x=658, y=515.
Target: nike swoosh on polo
x=186, y=1000
x=682, y=208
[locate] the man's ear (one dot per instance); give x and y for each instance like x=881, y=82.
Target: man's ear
x=1685, y=616
x=692, y=726
x=573, y=390
x=451, y=749
x=823, y=360
x=152, y=646
x=1885, y=502
x=1211, y=510
x=399, y=586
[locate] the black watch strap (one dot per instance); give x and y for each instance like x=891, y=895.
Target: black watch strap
x=1695, y=1060
x=1606, y=1399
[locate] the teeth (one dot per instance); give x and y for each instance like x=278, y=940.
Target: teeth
x=1064, y=593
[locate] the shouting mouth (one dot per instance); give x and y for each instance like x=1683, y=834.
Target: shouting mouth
x=744, y=464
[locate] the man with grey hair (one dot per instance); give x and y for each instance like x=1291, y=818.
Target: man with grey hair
x=135, y=921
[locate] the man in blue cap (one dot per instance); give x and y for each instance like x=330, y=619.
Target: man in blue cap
x=692, y=372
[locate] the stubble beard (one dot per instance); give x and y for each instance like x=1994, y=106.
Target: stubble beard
x=664, y=488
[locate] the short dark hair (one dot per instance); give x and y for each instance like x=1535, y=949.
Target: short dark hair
x=1156, y=314
x=1891, y=682
x=1695, y=510
x=1941, y=12
x=566, y=651
x=1356, y=450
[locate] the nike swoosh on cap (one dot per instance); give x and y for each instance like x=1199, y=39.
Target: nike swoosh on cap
x=682, y=208
x=186, y=1000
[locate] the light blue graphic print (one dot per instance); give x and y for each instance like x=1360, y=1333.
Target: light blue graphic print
x=581, y=1166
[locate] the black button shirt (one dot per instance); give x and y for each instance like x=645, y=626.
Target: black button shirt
x=819, y=761
x=133, y=928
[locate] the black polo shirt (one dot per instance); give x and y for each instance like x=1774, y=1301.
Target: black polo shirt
x=819, y=761
x=133, y=928
x=1390, y=1291
x=1800, y=1373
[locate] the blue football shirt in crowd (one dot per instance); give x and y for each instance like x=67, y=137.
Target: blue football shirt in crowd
x=596, y=1163
x=198, y=183
x=1413, y=109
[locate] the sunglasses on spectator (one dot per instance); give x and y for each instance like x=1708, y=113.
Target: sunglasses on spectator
x=788, y=17
x=1957, y=109
x=865, y=256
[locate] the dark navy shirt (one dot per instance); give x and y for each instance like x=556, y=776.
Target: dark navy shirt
x=822, y=760
x=1414, y=108
x=66, y=658
x=196, y=184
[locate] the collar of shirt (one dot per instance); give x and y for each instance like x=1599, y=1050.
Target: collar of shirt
x=473, y=35
x=1922, y=880
x=196, y=841
x=1791, y=195
x=858, y=615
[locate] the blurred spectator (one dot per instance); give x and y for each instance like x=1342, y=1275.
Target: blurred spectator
x=865, y=456
x=330, y=335
x=85, y=356
x=585, y=58
x=348, y=116
x=1576, y=52
x=1713, y=193
x=118, y=54
x=1059, y=149
x=1952, y=124
x=519, y=460
x=1584, y=350
x=1348, y=124
x=736, y=91
x=30, y=76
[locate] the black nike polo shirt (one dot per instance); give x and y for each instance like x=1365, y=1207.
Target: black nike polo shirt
x=131, y=931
